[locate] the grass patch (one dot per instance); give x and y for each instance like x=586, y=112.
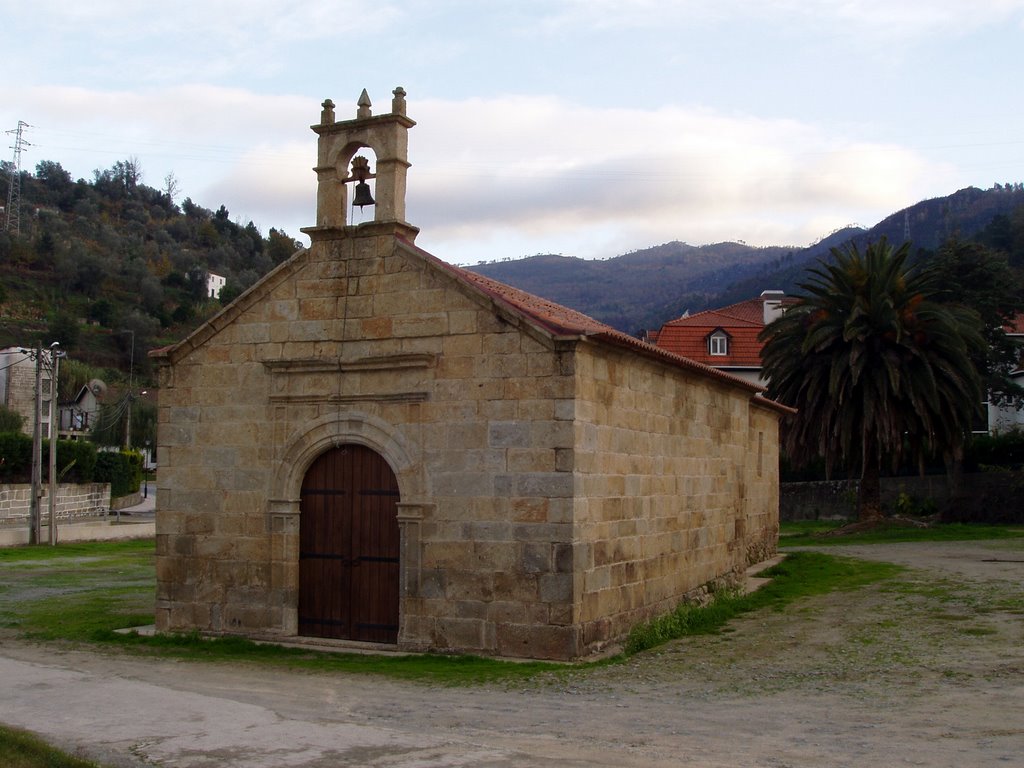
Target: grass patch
x=979, y=631
x=83, y=592
x=19, y=749
x=72, y=591
x=801, y=574
x=94, y=552
x=436, y=669
x=812, y=533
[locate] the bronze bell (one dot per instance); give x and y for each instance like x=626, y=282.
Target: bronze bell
x=363, y=196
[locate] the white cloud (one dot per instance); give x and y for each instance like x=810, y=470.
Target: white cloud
x=671, y=173
x=510, y=176
x=893, y=18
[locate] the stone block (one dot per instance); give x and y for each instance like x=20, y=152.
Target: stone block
x=537, y=642
x=535, y=558
x=597, y=579
x=507, y=612
x=564, y=557
x=531, y=459
x=563, y=614
x=498, y=555
x=556, y=587
x=508, y=434
x=521, y=587
x=433, y=583
x=545, y=484
x=467, y=634
x=420, y=325
x=530, y=510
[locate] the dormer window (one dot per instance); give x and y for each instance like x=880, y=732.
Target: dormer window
x=718, y=343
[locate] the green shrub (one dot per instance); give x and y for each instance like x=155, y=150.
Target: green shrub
x=122, y=469
x=10, y=421
x=15, y=458
x=76, y=460
x=1002, y=450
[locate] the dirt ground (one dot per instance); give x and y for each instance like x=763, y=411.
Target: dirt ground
x=924, y=670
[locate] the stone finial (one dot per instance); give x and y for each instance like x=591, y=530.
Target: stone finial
x=364, y=105
x=398, y=102
x=327, y=114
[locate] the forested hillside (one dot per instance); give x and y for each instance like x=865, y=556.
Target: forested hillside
x=992, y=217
x=99, y=264
x=645, y=288
x=640, y=289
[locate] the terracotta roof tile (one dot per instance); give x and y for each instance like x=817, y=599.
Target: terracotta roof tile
x=749, y=312
x=1016, y=324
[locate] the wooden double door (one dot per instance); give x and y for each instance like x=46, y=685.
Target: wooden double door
x=349, y=547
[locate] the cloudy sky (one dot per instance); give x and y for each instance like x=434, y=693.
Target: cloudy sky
x=583, y=127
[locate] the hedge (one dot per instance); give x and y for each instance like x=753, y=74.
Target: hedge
x=15, y=458
x=123, y=470
x=77, y=462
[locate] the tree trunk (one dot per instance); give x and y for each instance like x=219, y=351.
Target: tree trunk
x=869, y=498
x=954, y=482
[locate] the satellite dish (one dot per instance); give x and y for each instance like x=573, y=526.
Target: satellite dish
x=97, y=387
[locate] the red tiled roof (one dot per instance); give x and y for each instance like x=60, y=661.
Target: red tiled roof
x=750, y=312
x=1015, y=324
x=743, y=322
x=692, y=342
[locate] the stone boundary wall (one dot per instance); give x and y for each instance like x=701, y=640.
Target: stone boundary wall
x=987, y=497
x=73, y=501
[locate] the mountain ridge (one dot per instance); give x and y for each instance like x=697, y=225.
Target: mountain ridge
x=644, y=288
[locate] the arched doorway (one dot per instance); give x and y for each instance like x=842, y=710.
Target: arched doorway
x=349, y=547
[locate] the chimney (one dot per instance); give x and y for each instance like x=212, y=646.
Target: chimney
x=772, y=304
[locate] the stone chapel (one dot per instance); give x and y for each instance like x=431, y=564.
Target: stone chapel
x=371, y=446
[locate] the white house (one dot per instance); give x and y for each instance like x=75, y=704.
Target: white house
x=213, y=285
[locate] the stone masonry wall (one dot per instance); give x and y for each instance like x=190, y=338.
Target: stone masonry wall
x=669, y=497
x=357, y=341
x=20, y=394
x=73, y=501
x=761, y=493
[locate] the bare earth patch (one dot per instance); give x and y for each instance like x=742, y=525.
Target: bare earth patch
x=926, y=669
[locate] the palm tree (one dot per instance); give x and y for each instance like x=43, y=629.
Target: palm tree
x=874, y=365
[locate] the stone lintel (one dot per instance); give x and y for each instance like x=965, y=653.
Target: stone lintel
x=395, y=397
x=367, y=229
x=383, y=363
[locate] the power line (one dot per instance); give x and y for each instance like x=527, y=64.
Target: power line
x=12, y=222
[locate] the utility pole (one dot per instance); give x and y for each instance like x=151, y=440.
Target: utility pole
x=131, y=396
x=55, y=356
x=12, y=222
x=128, y=424
x=35, y=529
